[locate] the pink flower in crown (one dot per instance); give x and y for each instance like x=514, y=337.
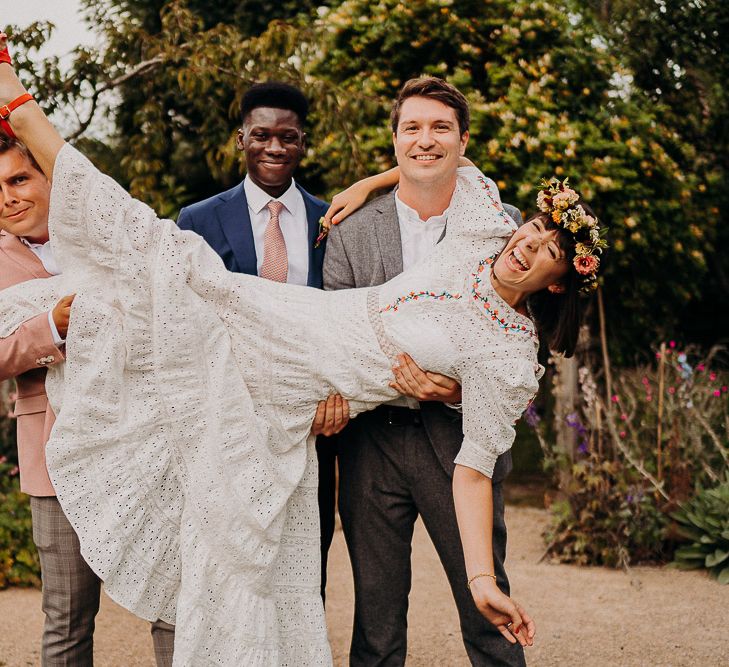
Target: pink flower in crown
x=586, y=265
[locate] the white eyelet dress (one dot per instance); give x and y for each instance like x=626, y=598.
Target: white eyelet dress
x=181, y=452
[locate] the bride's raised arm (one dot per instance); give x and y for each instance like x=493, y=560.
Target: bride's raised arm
x=27, y=120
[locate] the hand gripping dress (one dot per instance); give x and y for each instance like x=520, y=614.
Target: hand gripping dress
x=181, y=452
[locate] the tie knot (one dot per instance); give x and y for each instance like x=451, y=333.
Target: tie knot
x=275, y=208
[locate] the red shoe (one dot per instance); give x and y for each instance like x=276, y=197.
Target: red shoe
x=5, y=56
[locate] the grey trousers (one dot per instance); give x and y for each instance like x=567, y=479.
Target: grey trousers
x=71, y=593
x=388, y=475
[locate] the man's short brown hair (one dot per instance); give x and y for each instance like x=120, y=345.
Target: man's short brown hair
x=435, y=89
x=11, y=143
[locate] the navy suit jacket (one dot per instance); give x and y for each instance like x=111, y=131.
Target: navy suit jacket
x=223, y=221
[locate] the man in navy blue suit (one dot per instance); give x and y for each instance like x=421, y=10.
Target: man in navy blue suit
x=237, y=225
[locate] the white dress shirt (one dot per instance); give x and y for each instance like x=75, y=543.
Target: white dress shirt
x=44, y=253
x=293, y=223
x=418, y=237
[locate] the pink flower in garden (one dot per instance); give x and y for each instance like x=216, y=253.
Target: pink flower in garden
x=724, y=388
x=717, y=392
x=700, y=367
x=672, y=390
x=658, y=355
x=586, y=265
x=14, y=471
x=614, y=398
x=712, y=376
x=623, y=434
x=624, y=417
x=645, y=381
x=3, y=459
x=648, y=397
x=672, y=343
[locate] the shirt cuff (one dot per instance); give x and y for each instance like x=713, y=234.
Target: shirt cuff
x=57, y=340
x=458, y=407
x=478, y=458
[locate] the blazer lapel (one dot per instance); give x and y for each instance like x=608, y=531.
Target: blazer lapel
x=236, y=224
x=387, y=230
x=315, y=209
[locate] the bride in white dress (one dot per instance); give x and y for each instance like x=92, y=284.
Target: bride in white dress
x=181, y=451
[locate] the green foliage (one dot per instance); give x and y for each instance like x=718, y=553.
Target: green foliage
x=609, y=517
x=637, y=458
x=547, y=95
x=675, y=51
x=19, y=565
x=704, y=521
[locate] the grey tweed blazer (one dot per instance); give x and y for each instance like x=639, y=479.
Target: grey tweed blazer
x=365, y=250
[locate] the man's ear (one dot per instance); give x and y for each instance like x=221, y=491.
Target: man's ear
x=239, y=137
x=556, y=288
x=464, y=142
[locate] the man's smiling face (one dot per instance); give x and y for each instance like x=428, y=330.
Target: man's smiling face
x=428, y=141
x=273, y=141
x=25, y=196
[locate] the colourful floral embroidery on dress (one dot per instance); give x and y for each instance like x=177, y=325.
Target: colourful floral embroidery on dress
x=414, y=296
x=485, y=185
x=486, y=304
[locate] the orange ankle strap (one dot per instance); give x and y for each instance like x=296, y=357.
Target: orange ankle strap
x=7, y=109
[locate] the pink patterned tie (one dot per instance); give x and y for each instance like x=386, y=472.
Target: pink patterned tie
x=275, y=264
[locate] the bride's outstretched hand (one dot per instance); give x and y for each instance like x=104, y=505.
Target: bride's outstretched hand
x=10, y=87
x=510, y=618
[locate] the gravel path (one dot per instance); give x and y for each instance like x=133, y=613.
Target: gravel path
x=589, y=617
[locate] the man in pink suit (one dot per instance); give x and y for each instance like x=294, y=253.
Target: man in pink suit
x=70, y=588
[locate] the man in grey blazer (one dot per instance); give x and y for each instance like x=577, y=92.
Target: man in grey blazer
x=396, y=462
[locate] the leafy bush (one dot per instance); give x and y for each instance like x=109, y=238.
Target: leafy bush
x=705, y=521
x=637, y=456
x=607, y=518
x=19, y=565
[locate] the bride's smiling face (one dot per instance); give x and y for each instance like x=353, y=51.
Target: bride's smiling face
x=532, y=260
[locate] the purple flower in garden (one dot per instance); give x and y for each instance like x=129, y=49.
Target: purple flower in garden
x=629, y=498
x=582, y=447
x=531, y=416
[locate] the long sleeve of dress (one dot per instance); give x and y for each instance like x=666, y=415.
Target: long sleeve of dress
x=495, y=394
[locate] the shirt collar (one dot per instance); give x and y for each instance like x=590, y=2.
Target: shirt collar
x=258, y=198
x=408, y=214
x=30, y=244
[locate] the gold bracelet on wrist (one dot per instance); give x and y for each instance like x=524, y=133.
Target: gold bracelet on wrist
x=478, y=576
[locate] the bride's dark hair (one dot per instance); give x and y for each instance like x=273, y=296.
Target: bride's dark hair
x=558, y=315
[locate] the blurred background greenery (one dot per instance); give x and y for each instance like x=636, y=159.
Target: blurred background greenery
x=626, y=97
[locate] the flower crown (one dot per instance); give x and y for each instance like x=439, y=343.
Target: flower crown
x=560, y=201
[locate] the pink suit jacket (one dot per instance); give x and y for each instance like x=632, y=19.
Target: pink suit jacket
x=25, y=355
